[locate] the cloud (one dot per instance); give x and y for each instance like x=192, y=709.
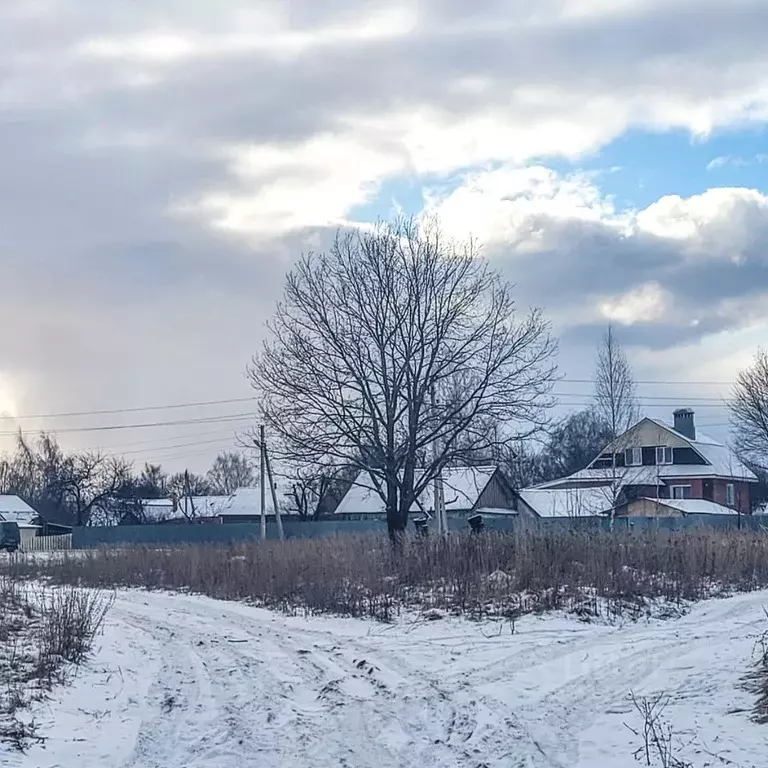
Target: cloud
x=676, y=271
x=162, y=164
x=424, y=88
x=735, y=161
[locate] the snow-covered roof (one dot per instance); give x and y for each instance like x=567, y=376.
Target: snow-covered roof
x=725, y=463
x=462, y=487
x=696, y=506
x=247, y=501
x=660, y=474
x=722, y=463
x=244, y=502
x=16, y=510
x=567, y=502
x=14, y=504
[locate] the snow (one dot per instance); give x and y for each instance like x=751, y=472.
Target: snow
x=15, y=510
x=244, y=501
x=567, y=502
x=462, y=487
x=648, y=475
x=696, y=506
x=188, y=681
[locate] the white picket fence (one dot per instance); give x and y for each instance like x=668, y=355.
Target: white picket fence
x=47, y=543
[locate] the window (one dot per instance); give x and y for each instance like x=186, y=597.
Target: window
x=633, y=457
x=664, y=454
x=681, y=491
x=730, y=494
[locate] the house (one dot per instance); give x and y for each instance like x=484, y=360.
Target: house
x=466, y=490
x=654, y=462
x=15, y=510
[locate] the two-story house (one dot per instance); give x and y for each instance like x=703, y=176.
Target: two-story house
x=653, y=463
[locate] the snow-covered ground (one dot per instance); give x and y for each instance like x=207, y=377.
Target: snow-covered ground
x=188, y=682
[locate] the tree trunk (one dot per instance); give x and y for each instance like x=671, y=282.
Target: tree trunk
x=395, y=521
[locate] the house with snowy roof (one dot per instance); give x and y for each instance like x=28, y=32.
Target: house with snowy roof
x=653, y=469
x=466, y=491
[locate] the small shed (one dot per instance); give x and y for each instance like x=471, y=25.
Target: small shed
x=647, y=507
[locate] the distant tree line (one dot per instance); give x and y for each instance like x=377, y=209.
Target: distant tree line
x=93, y=488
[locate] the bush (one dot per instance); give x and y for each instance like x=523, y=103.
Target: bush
x=42, y=632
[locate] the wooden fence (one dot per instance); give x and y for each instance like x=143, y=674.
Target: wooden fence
x=47, y=543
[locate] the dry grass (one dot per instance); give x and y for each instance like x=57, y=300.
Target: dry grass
x=757, y=679
x=43, y=632
x=494, y=574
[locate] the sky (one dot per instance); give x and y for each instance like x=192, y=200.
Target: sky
x=163, y=164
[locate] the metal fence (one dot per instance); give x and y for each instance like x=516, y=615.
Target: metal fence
x=170, y=535
x=47, y=543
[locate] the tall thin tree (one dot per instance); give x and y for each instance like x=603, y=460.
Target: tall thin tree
x=616, y=405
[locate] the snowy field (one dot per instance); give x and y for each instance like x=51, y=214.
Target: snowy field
x=189, y=682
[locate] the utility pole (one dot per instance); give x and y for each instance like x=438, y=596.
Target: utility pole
x=278, y=519
x=439, y=499
x=262, y=481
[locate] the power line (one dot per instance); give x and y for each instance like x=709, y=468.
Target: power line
x=666, y=398
x=666, y=405
x=150, y=425
x=136, y=409
x=163, y=448
x=662, y=382
x=135, y=443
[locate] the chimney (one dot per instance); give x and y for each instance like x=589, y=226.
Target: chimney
x=684, y=423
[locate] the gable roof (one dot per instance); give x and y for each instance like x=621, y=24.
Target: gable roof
x=722, y=462
x=15, y=510
x=462, y=487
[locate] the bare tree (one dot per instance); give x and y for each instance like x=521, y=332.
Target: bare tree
x=616, y=405
x=72, y=489
x=368, y=331
x=90, y=484
x=314, y=491
x=615, y=392
x=188, y=483
x=230, y=471
x=749, y=412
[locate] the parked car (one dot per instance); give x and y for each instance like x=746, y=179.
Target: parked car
x=10, y=537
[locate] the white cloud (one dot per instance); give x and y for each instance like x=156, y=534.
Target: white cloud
x=648, y=303
x=284, y=189
x=431, y=88
x=681, y=267
x=735, y=161
x=508, y=204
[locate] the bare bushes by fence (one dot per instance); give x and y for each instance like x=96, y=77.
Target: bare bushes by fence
x=490, y=574
x=43, y=631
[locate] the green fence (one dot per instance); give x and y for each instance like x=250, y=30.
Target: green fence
x=170, y=535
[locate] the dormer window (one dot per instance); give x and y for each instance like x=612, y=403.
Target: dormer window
x=664, y=455
x=633, y=457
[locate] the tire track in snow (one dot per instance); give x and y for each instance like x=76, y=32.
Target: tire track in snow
x=230, y=686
